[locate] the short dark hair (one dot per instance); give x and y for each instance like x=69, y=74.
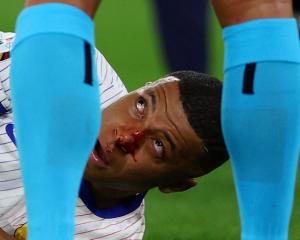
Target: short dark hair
x=201, y=96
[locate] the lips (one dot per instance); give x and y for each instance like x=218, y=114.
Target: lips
x=98, y=156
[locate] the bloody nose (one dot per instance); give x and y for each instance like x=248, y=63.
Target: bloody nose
x=137, y=136
x=131, y=141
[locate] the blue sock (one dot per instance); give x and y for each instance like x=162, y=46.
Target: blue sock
x=261, y=122
x=57, y=112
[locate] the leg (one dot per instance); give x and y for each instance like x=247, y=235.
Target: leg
x=261, y=114
x=56, y=109
x=183, y=30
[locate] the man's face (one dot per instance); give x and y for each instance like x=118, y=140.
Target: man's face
x=146, y=141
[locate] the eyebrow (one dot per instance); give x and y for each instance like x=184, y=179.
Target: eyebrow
x=151, y=93
x=169, y=139
x=167, y=136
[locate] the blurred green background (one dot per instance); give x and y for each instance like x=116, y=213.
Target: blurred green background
x=126, y=35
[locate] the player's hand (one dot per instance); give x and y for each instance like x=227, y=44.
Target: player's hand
x=88, y=6
x=230, y=12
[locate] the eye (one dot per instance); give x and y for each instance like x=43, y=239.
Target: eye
x=140, y=105
x=159, y=147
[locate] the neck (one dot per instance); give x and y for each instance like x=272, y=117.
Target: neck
x=106, y=197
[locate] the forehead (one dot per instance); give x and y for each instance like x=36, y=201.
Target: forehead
x=167, y=92
x=159, y=83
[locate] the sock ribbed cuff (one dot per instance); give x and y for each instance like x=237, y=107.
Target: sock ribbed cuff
x=261, y=40
x=54, y=18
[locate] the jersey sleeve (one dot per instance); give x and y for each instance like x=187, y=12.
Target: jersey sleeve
x=111, y=86
x=6, y=41
x=14, y=220
x=87, y=225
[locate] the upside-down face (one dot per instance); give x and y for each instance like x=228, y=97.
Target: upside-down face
x=145, y=142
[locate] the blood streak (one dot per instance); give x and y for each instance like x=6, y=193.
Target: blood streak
x=132, y=143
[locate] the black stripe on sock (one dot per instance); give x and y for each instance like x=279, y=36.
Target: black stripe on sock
x=88, y=63
x=249, y=78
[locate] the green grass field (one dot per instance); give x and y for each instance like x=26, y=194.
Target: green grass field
x=127, y=37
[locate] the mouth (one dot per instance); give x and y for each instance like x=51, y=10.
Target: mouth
x=98, y=157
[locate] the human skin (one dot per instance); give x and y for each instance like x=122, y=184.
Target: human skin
x=231, y=12
x=154, y=163
x=88, y=6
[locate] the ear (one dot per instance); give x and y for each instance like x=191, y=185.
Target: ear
x=179, y=187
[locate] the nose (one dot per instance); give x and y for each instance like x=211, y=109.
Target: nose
x=137, y=135
x=130, y=141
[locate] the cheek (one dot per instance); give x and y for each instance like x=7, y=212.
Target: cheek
x=145, y=155
x=146, y=167
x=116, y=117
x=114, y=110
